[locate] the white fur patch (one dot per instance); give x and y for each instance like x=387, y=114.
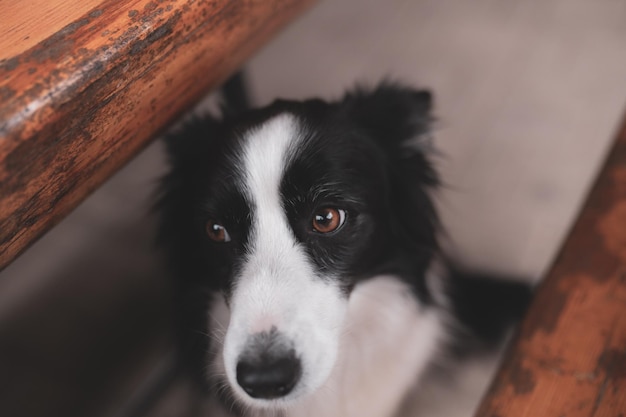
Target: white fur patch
x=277, y=286
x=387, y=341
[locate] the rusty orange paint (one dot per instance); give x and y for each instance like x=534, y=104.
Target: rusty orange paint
x=569, y=357
x=77, y=105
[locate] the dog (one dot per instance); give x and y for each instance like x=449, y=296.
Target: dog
x=305, y=244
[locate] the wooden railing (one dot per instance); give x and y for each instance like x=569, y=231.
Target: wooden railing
x=569, y=358
x=85, y=85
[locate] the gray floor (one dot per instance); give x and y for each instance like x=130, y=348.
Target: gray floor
x=529, y=94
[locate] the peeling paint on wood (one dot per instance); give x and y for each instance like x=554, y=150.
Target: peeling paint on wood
x=569, y=357
x=79, y=104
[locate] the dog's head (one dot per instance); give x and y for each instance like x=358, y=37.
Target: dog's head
x=283, y=210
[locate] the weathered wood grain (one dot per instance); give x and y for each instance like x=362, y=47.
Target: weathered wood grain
x=569, y=358
x=77, y=105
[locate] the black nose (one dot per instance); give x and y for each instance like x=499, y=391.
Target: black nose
x=269, y=377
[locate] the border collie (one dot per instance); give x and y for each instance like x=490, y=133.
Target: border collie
x=303, y=237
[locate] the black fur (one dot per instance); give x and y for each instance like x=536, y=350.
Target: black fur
x=368, y=153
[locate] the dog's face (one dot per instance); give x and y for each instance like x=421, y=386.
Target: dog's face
x=283, y=211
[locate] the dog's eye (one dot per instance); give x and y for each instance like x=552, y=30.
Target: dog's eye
x=328, y=219
x=217, y=232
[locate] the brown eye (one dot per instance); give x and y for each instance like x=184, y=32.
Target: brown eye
x=328, y=219
x=217, y=232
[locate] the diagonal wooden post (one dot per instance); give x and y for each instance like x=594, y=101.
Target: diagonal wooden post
x=79, y=103
x=569, y=358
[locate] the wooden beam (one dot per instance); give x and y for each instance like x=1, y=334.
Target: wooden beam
x=81, y=101
x=569, y=358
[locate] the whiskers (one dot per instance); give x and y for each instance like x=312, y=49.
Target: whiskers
x=216, y=335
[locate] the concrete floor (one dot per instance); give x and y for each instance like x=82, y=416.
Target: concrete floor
x=529, y=94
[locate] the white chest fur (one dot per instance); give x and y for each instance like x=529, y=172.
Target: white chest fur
x=387, y=341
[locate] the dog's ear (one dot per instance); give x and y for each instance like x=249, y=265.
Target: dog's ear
x=398, y=119
x=190, y=143
x=192, y=152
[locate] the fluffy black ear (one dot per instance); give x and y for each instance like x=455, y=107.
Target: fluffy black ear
x=398, y=117
x=398, y=120
x=190, y=157
x=195, y=152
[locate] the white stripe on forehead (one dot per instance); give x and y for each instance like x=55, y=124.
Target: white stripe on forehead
x=276, y=264
x=269, y=287
x=265, y=157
